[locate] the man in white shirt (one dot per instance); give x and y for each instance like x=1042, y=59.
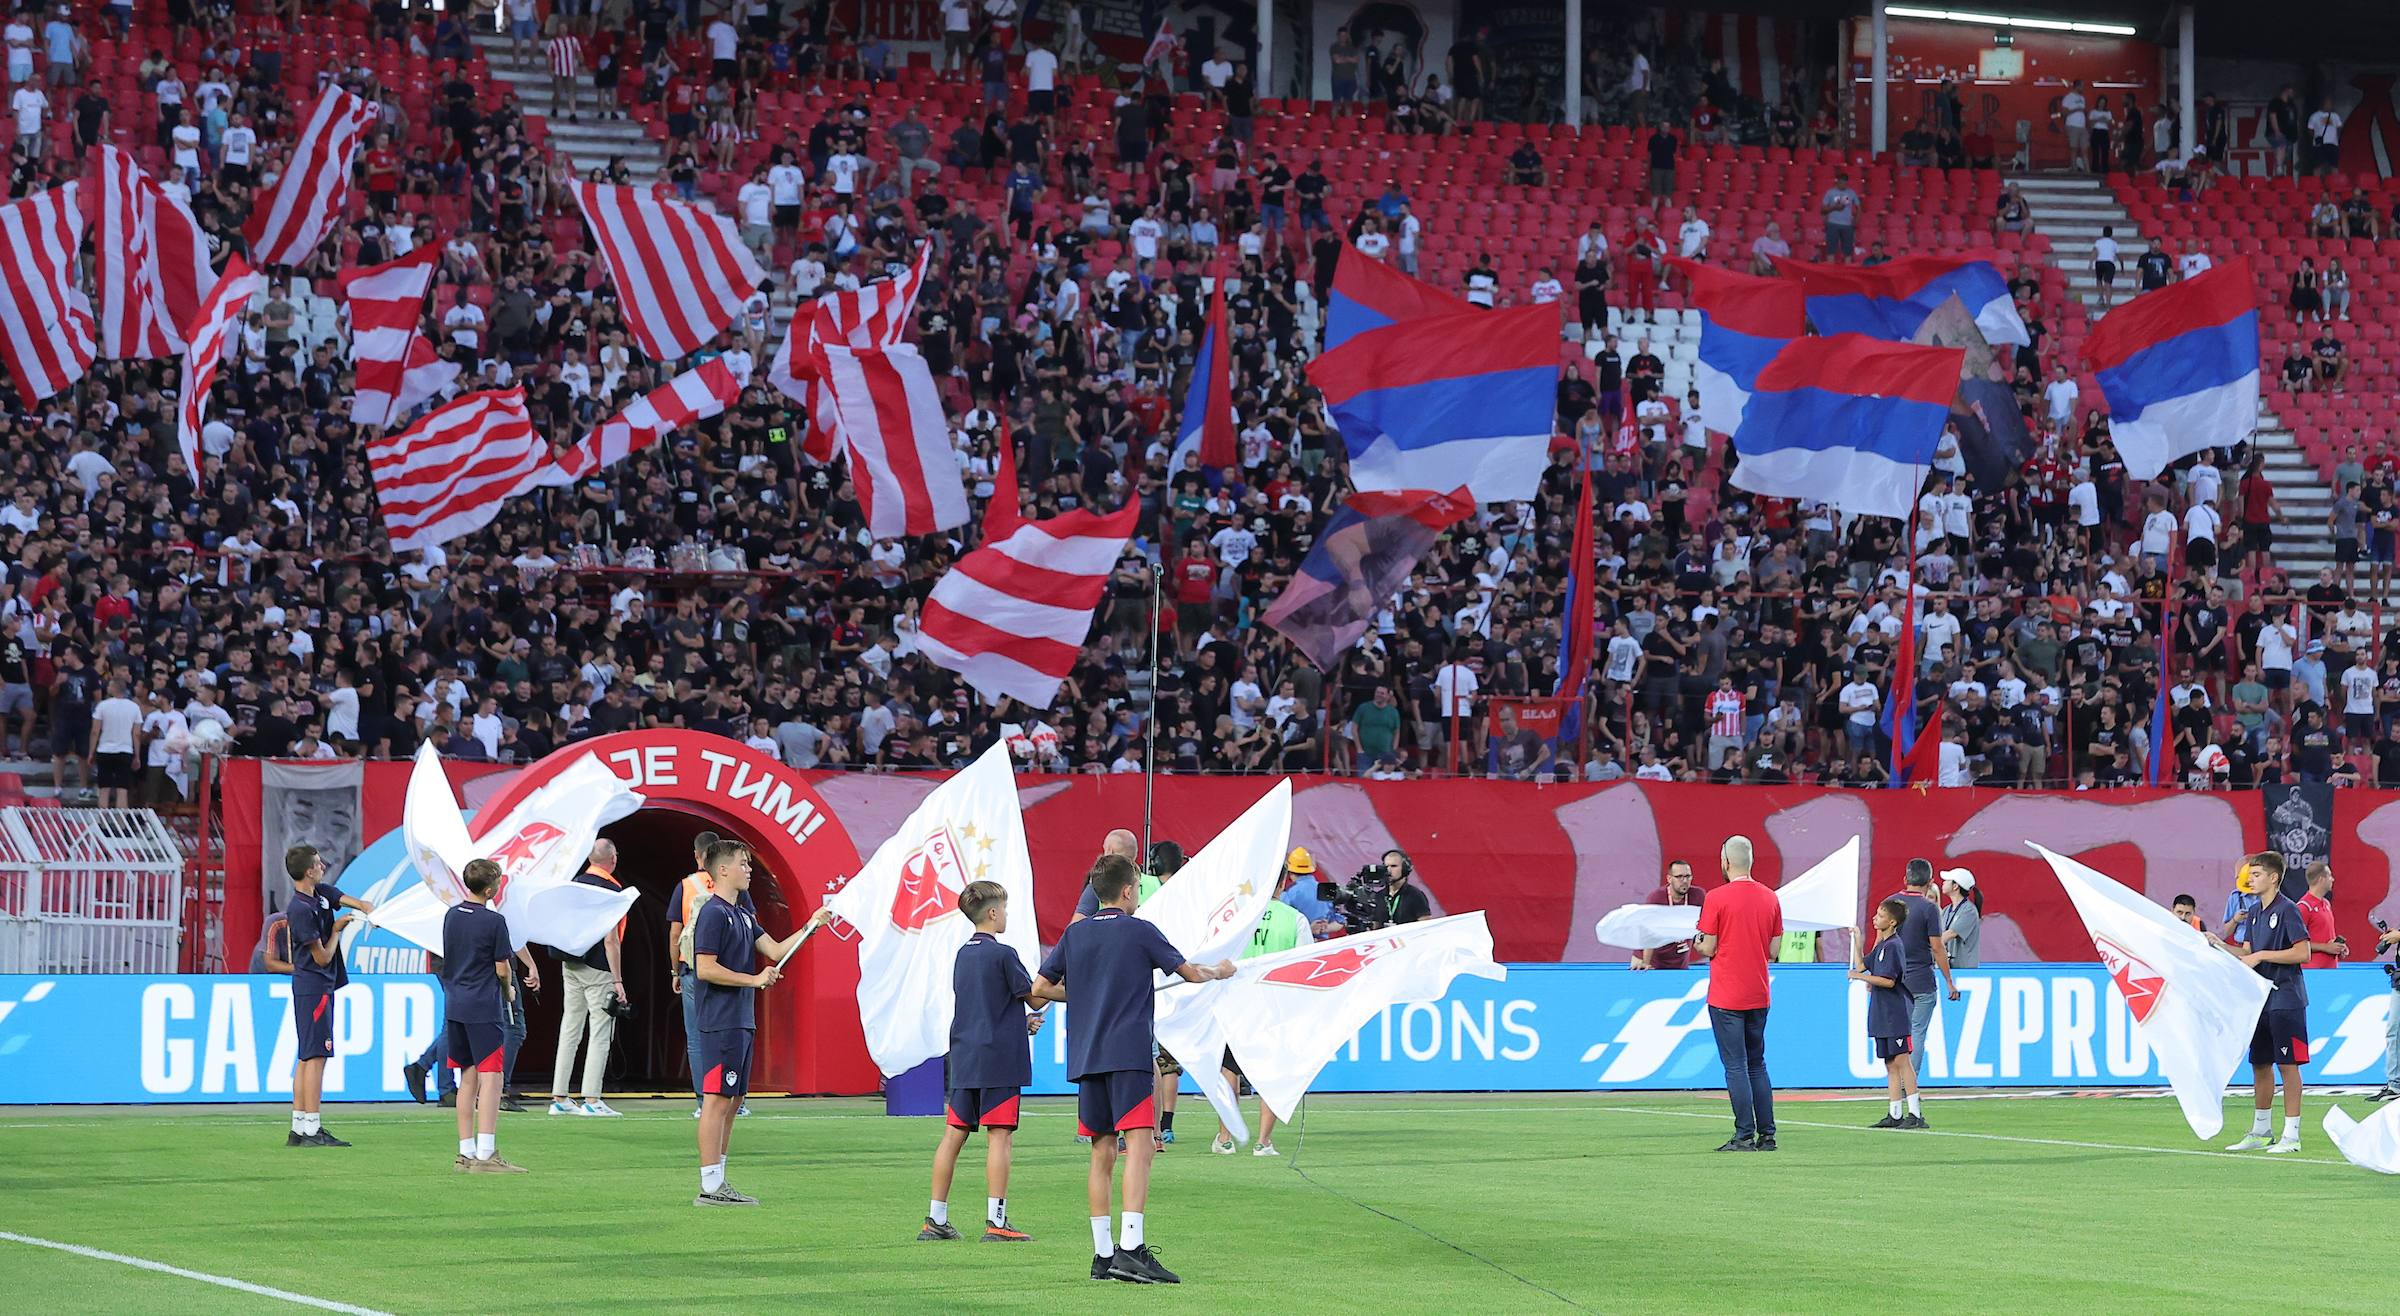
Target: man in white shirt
x=1546, y=289
x=116, y=737
x=848, y=173
x=786, y=182
x=1454, y=688
x=1216, y=73
x=32, y=105
x=724, y=48
x=2079, y=133
x=1859, y=702
x=756, y=201
x=1145, y=233
x=1691, y=240
x=238, y=145
x=2193, y=262
x=1767, y=249
x=2325, y=134
x=2200, y=526
x=958, y=29
x=2158, y=532
x=808, y=274
x=1234, y=545
x=2204, y=480
x=1248, y=701
x=2061, y=394
x=464, y=320
x=1373, y=242
x=1409, y=226
x=1041, y=82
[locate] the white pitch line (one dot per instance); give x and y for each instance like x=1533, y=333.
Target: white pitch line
x=244, y=1286
x=1982, y=1137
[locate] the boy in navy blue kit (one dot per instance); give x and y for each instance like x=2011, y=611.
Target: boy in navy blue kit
x=314, y=932
x=1108, y=959
x=1888, y=1002
x=2277, y=946
x=728, y=947
x=475, y=974
x=989, y=1063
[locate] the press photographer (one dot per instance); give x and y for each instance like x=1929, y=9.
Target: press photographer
x=1378, y=897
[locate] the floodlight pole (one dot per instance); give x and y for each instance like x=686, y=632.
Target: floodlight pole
x=1879, y=103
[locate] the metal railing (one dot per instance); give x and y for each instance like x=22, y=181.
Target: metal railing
x=88, y=891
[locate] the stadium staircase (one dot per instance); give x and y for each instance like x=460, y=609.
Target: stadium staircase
x=591, y=142
x=2070, y=211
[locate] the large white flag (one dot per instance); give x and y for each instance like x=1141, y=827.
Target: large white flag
x=904, y=904
x=541, y=846
x=2373, y=1142
x=1209, y=911
x=1823, y=899
x=1285, y=1015
x=2194, y=1004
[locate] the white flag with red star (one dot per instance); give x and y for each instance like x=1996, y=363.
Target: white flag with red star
x=904, y=904
x=2193, y=1003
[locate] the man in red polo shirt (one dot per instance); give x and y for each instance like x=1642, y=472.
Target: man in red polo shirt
x=2325, y=946
x=1738, y=928
x=1678, y=890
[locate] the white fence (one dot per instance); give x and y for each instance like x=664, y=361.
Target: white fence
x=88, y=891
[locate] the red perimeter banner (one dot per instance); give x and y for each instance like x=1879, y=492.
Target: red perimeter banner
x=1546, y=862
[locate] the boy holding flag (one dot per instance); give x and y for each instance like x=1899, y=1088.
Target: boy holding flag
x=989, y=1063
x=727, y=945
x=475, y=976
x=1888, y=1001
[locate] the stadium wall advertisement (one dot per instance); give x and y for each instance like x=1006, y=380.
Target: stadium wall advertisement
x=1566, y=1028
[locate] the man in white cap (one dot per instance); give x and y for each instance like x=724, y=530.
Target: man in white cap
x=1962, y=918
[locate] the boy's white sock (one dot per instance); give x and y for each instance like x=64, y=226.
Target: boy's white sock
x=1895, y=1109
x=995, y=1210
x=486, y=1145
x=299, y=1121
x=939, y=1212
x=1132, y=1231
x=466, y=1146
x=2291, y=1128
x=309, y=1121
x=1913, y=1107
x=712, y=1177
x=2260, y=1123
x=1101, y=1247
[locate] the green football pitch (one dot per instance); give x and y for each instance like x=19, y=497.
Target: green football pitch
x=1612, y=1202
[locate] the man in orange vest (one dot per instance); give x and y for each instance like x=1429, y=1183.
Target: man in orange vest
x=692, y=893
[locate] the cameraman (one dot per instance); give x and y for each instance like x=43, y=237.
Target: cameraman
x=1378, y=898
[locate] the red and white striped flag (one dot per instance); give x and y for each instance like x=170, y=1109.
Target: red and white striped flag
x=397, y=367
x=1162, y=44
x=681, y=274
x=1011, y=616
x=152, y=260
x=205, y=347
x=315, y=186
x=876, y=315
x=45, y=324
x=891, y=418
x=448, y=474
x=692, y=395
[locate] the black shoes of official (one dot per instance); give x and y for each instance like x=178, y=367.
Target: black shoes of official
x=510, y=1104
x=1766, y=1143
x=414, y=1074
x=1137, y=1266
x=1740, y=1144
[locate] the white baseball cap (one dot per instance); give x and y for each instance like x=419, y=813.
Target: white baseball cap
x=1958, y=875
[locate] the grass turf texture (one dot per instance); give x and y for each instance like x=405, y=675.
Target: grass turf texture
x=1615, y=1200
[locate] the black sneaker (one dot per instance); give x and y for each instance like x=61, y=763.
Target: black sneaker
x=1137, y=1265
x=1915, y=1122
x=323, y=1139
x=414, y=1074
x=1766, y=1143
x=1740, y=1144
x=449, y=1099
x=295, y=1138
x=2384, y=1094
x=1100, y=1266
x=509, y=1103
x=935, y=1231
x=1888, y=1122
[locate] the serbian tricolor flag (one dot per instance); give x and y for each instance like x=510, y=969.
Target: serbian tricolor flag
x=1890, y=300
x=1744, y=321
x=1576, y=619
x=2179, y=367
x=1847, y=420
x=1364, y=554
x=1207, y=426
x=1916, y=752
x=1448, y=401
x=1368, y=294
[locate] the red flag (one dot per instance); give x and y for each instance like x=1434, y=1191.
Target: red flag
x=1208, y=401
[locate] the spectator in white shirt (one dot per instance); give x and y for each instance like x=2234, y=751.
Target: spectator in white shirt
x=1546, y=289
x=2062, y=395
x=1691, y=240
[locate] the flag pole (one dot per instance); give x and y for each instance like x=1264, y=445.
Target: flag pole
x=1158, y=574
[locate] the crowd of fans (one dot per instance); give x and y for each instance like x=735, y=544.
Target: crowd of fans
x=722, y=582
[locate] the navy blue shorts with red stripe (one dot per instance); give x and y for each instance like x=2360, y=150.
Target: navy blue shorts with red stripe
x=725, y=1062
x=312, y=1020
x=2281, y=1038
x=1116, y=1101
x=1888, y=1047
x=476, y=1046
x=981, y=1108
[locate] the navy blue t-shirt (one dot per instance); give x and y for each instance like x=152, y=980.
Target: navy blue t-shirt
x=987, y=1023
x=2278, y=925
x=1915, y=935
x=474, y=941
x=1104, y=962
x=311, y=919
x=1887, y=1007
x=730, y=933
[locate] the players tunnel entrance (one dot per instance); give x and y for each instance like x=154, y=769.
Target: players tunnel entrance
x=808, y=1034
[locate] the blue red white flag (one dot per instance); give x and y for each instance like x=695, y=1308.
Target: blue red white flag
x=1576, y=641
x=1915, y=758
x=1448, y=401
x=1207, y=426
x=1744, y=321
x=2179, y=367
x=1368, y=294
x=1848, y=420
x=1365, y=552
x=1892, y=299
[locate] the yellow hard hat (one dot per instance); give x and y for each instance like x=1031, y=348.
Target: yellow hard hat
x=1298, y=860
